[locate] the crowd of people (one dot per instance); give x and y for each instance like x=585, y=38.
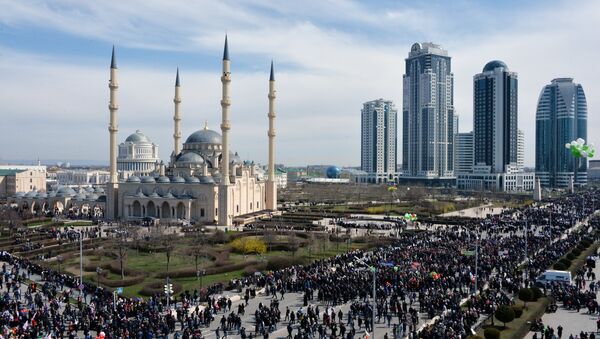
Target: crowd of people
x=422, y=277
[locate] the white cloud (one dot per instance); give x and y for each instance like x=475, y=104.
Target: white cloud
x=336, y=55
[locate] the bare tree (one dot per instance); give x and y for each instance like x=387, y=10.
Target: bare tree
x=121, y=243
x=269, y=237
x=294, y=244
x=168, y=243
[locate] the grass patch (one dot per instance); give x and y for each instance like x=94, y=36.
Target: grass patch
x=580, y=260
x=519, y=327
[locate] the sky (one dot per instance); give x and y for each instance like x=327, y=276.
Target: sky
x=330, y=56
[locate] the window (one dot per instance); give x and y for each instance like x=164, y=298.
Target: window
x=202, y=212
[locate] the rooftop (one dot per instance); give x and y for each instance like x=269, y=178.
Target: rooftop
x=5, y=172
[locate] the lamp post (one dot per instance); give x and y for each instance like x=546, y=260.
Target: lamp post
x=98, y=272
x=59, y=259
x=200, y=274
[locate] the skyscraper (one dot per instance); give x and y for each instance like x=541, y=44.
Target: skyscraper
x=495, y=117
x=521, y=150
x=463, y=153
x=428, y=109
x=378, y=140
x=561, y=117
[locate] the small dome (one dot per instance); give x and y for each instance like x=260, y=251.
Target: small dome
x=492, y=65
x=178, y=180
x=206, y=179
x=41, y=195
x=190, y=158
x=80, y=197
x=204, y=136
x=99, y=190
x=168, y=195
x=65, y=191
x=138, y=138
x=192, y=180
x=52, y=194
x=163, y=179
x=234, y=158
x=140, y=194
x=20, y=194
x=154, y=195
x=148, y=179
x=134, y=178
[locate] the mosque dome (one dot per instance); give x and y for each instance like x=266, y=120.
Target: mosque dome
x=138, y=138
x=178, y=180
x=163, y=179
x=148, y=179
x=204, y=136
x=492, y=65
x=42, y=195
x=190, y=158
x=65, y=191
x=206, y=179
x=235, y=158
x=192, y=180
x=134, y=178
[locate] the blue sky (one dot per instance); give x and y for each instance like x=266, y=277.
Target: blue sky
x=330, y=56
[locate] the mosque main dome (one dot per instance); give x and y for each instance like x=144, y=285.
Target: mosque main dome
x=204, y=136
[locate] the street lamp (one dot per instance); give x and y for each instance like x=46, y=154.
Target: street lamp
x=200, y=274
x=98, y=271
x=59, y=259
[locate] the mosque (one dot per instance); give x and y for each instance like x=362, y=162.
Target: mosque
x=204, y=181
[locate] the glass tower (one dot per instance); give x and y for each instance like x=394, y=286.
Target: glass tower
x=561, y=118
x=428, y=110
x=495, y=117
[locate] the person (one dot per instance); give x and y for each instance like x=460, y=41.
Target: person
x=559, y=331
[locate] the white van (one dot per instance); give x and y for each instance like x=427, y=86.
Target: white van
x=551, y=276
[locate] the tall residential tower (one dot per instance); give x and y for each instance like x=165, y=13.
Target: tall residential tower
x=561, y=118
x=495, y=117
x=428, y=110
x=379, y=125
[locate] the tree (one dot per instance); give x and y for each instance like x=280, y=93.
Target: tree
x=294, y=243
x=491, y=333
x=505, y=314
x=269, y=237
x=168, y=243
x=121, y=244
x=526, y=294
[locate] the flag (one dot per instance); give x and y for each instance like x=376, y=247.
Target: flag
x=467, y=253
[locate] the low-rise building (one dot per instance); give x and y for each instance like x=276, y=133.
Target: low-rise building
x=482, y=178
x=14, y=179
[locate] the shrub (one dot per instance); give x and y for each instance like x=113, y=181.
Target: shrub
x=122, y=283
x=576, y=252
x=518, y=309
x=571, y=256
x=491, y=333
x=537, y=293
x=281, y=262
x=250, y=270
x=565, y=262
x=249, y=246
x=505, y=314
x=475, y=337
x=526, y=294
x=559, y=266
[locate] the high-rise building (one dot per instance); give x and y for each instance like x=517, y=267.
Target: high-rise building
x=495, y=117
x=497, y=142
x=455, y=123
x=379, y=139
x=521, y=150
x=428, y=109
x=561, y=117
x=463, y=153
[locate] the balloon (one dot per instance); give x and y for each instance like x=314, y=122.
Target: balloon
x=579, y=149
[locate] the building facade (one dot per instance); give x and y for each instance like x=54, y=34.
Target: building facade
x=81, y=177
x=594, y=170
x=428, y=114
x=463, y=153
x=561, y=117
x=19, y=179
x=379, y=126
x=495, y=117
x=521, y=150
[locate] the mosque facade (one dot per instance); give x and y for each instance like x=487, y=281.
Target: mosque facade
x=203, y=181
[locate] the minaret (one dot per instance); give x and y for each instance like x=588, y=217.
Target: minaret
x=271, y=186
x=224, y=215
x=113, y=184
x=177, y=117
